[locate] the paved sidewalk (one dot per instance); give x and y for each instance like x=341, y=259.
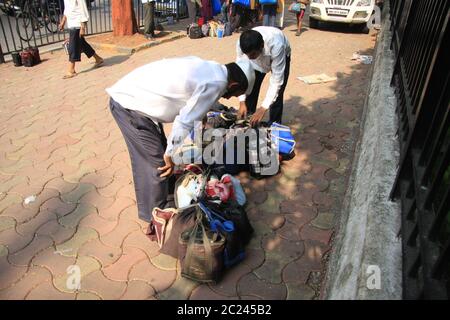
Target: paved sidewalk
x=60, y=143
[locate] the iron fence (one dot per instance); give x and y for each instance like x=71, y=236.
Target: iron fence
x=422, y=84
x=25, y=23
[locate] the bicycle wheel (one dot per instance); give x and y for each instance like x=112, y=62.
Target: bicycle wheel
x=25, y=24
x=52, y=20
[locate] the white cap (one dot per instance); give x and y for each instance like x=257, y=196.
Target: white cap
x=249, y=72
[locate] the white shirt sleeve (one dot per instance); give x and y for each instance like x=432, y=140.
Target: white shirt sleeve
x=195, y=109
x=84, y=11
x=276, y=78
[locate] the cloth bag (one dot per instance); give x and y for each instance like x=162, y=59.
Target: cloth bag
x=162, y=220
x=201, y=252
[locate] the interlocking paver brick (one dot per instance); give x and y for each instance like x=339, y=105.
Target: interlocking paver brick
x=71, y=246
x=46, y=291
x=116, y=237
x=104, y=254
x=94, y=198
x=251, y=285
x=61, y=185
x=7, y=223
x=298, y=291
x=97, y=283
x=57, y=232
x=52, y=260
x=181, y=289
x=3, y=251
x=120, y=269
x=279, y=252
x=137, y=239
x=31, y=226
x=34, y=277
x=138, y=290
x=87, y=265
x=9, y=201
x=101, y=225
x=113, y=212
x=14, y=241
x=203, y=292
x=10, y=274
x=88, y=296
x=24, y=256
x=72, y=219
x=309, y=232
x=227, y=285
x=75, y=195
x=324, y=220
x=159, y=279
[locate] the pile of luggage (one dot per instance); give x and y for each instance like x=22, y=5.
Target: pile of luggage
x=208, y=229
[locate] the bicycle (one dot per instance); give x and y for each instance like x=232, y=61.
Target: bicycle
x=37, y=14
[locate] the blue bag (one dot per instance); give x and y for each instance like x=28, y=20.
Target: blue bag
x=234, y=246
x=283, y=138
x=244, y=3
x=263, y=2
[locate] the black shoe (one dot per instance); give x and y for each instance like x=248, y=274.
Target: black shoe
x=150, y=36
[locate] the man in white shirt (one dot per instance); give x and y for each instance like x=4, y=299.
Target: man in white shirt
x=178, y=90
x=76, y=15
x=269, y=51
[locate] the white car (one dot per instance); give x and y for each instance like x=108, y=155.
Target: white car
x=343, y=11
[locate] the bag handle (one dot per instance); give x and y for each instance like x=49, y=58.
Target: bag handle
x=206, y=244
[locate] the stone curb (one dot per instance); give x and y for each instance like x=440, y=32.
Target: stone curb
x=128, y=50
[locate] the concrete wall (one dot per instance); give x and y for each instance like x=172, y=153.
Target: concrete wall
x=367, y=240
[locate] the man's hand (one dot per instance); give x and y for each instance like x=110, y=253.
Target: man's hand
x=82, y=31
x=61, y=26
x=168, y=167
x=242, y=113
x=257, y=116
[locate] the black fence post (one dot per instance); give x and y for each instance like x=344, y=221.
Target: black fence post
x=178, y=10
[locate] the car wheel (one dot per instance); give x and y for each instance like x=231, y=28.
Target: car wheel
x=313, y=23
x=364, y=28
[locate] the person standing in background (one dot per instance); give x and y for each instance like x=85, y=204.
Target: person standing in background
x=76, y=15
x=300, y=15
x=149, y=19
x=269, y=13
x=269, y=51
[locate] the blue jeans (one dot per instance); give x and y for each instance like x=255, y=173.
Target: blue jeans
x=269, y=14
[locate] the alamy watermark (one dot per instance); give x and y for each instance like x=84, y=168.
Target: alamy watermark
x=73, y=281
x=236, y=146
x=373, y=281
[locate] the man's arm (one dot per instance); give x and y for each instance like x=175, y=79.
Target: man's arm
x=195, y=110
x=62, y=23
x=276, y=79
x=84, y=17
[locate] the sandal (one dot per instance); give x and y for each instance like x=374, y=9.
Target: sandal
x=69, y=75
x=98, y=64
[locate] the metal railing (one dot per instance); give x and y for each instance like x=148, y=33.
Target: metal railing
x=25, y=23
x=421, y=32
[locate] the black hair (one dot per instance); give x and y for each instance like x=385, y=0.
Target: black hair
x=236, y=74
x=251, y=40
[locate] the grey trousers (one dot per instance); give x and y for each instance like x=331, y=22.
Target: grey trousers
x=192, y=10
x=146, y=144
x=149, y=18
